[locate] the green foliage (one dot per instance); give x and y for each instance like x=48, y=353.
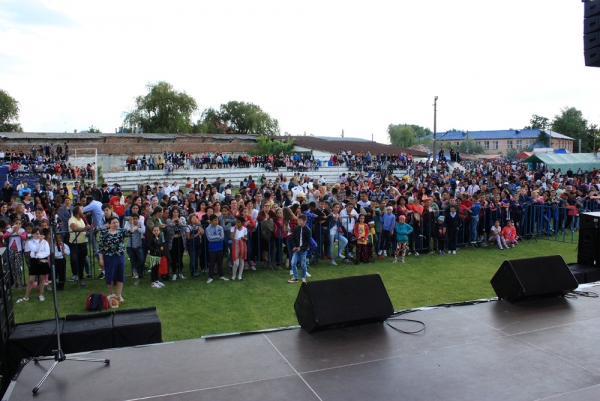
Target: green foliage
x=94, y=130
x=538, y=122
x=570, y=122
x=469, y=147
x=247, y=118
x=512, y=153
x=401, y=135
x=162, y=110
x=267, y=146
x=420, y=282
x=543, y=139
x=237, y=118
x=9, y=113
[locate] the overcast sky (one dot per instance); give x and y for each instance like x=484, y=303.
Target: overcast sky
x=317, y=66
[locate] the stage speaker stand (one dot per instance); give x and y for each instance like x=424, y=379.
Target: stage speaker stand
x=591, y=33
x=349, y=301
x=133, y=327
x=32, y=339
x=539, y=277
x=87, y=332
x=4, y=267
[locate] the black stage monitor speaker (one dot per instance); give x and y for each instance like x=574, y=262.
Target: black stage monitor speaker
x=330, y=304
x=539, y=277
x=136, y=327
x=591, y=28
x=588, y=249
x=87, y=332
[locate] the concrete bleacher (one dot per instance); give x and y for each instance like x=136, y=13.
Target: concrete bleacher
x=130, y=179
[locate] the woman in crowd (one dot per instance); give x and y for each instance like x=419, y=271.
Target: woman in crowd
x=175, y=231
x=111, y=256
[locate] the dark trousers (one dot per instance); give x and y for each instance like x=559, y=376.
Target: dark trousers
x=452, y=237
x=215, y=257
x=60, y=265
x=384, y=245
x=136, y=256
x=176, y=251
x=78, y=254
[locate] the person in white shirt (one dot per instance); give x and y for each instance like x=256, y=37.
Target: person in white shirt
x=167, y=189
x=40, y=262
x=349, y=217
x=239, y=236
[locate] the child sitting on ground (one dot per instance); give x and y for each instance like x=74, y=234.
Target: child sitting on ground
x=496, y=235
x=509, y=233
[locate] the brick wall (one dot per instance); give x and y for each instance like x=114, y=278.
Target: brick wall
x=121, y=146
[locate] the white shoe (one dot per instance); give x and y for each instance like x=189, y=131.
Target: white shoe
x=160, y=283
x=174, y=277
x=417, y=254
x=385, y=253
x=224, y=278
x=181, y=276
x=233, y=278
x=135, y=275
x=379, y=253
x=155, y=285
x=333, y=262
x=209, y=281
x=308, y=274
x=252, y=267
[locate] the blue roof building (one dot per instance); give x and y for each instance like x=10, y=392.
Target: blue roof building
x=500, y=141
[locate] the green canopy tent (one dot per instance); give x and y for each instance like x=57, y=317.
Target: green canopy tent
x=574, y=161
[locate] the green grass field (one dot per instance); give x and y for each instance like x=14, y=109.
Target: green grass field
x=191, y=308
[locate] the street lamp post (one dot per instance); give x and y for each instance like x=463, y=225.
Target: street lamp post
x=434, y=128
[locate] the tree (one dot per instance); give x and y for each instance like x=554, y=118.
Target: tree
x=210, y=123
x=543, y=139
x=162, y=110
x=401, y=135
x=538, y=122
x=570, y=122
x=469, y=147
x=94, y=130
x=248, y=118
x=9, y=113
x=267, y=146
x=512, y=153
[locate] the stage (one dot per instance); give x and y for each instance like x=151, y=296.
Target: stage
x=533, y=350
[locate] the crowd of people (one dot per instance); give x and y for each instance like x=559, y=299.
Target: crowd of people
x=293, y=221
x=170, y=161
x=48, y=161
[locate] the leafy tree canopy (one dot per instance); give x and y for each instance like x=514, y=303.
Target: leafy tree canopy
x=162, y=110
x=94, y=130
x=469, y=147
x=267, y=146
x=401, y=135
x=237, y=118
x=538, y=122
x=9, y=113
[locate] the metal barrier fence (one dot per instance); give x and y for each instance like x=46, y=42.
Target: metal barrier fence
x=532, y=222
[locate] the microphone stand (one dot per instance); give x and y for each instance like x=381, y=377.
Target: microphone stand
x=59, y=355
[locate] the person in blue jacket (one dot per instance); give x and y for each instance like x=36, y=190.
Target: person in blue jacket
x=403, y=230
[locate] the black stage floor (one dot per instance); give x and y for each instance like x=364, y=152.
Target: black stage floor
x=544, y=349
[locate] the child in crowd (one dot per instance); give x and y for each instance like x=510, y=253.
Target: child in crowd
x=40, y=263
x=16, y=235
x=452, y=221
x=441, y=232
x=300, y=242
x=402, y=230
x=388, y=223
x=134, y=247
x=496, y=235
x=361, y=232
x=509, y=233
x=215, y=236
x=60, y=264
x=239, y=236
x=371, y=241
x=156, y=250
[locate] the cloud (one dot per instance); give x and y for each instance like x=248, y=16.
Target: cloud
x=31, y=13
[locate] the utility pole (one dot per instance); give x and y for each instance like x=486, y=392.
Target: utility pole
x=434, y=129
